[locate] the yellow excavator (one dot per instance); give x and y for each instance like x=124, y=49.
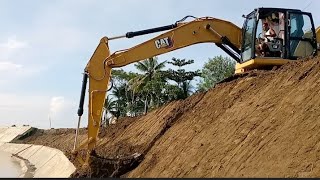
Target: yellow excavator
x=296, y=37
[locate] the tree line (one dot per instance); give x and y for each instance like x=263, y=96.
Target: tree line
x=136, y=93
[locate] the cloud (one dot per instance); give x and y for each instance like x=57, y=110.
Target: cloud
x=10, y=50
x=9, y=66
x=62, y=111
x=57, y=104
x=13, y=73
x=13, y=43
x=13, y=61
x=22, y=109
x=33, y=110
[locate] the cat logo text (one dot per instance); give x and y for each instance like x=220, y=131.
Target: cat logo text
x=163, y=43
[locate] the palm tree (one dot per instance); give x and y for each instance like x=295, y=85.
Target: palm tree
x=110, y=105
x=123, y=97
x=150, y=67
x=134, y=89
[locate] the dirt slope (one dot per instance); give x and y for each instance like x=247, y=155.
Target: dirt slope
x=118, y=143
x=264, y=124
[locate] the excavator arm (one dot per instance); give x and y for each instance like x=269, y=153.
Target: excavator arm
x=98, y=70
x=318, y=39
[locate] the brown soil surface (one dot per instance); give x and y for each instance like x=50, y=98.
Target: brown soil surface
x=263, y=124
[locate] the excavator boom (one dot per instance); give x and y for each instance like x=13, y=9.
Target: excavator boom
x=318, y=38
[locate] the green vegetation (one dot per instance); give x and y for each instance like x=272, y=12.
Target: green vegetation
x=214, y=71
x=135, y=94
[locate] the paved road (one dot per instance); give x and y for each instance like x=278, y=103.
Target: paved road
x=8, y=168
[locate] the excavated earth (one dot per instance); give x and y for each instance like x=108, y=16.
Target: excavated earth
x=260, y=124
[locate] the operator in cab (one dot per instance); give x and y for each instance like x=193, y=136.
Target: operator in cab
x=270, y=33
x=262, y=49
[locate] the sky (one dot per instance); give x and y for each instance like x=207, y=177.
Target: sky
x=45, y=45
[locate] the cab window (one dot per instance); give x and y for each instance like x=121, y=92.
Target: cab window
x=248, y=39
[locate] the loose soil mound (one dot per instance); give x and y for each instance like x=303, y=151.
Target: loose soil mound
x=264, y=124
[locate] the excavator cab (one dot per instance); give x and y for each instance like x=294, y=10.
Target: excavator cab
x=295, y=37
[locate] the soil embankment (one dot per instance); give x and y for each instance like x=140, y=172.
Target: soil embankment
x=263, y=124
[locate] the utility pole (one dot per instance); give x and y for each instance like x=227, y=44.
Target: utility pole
x=49, y=120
